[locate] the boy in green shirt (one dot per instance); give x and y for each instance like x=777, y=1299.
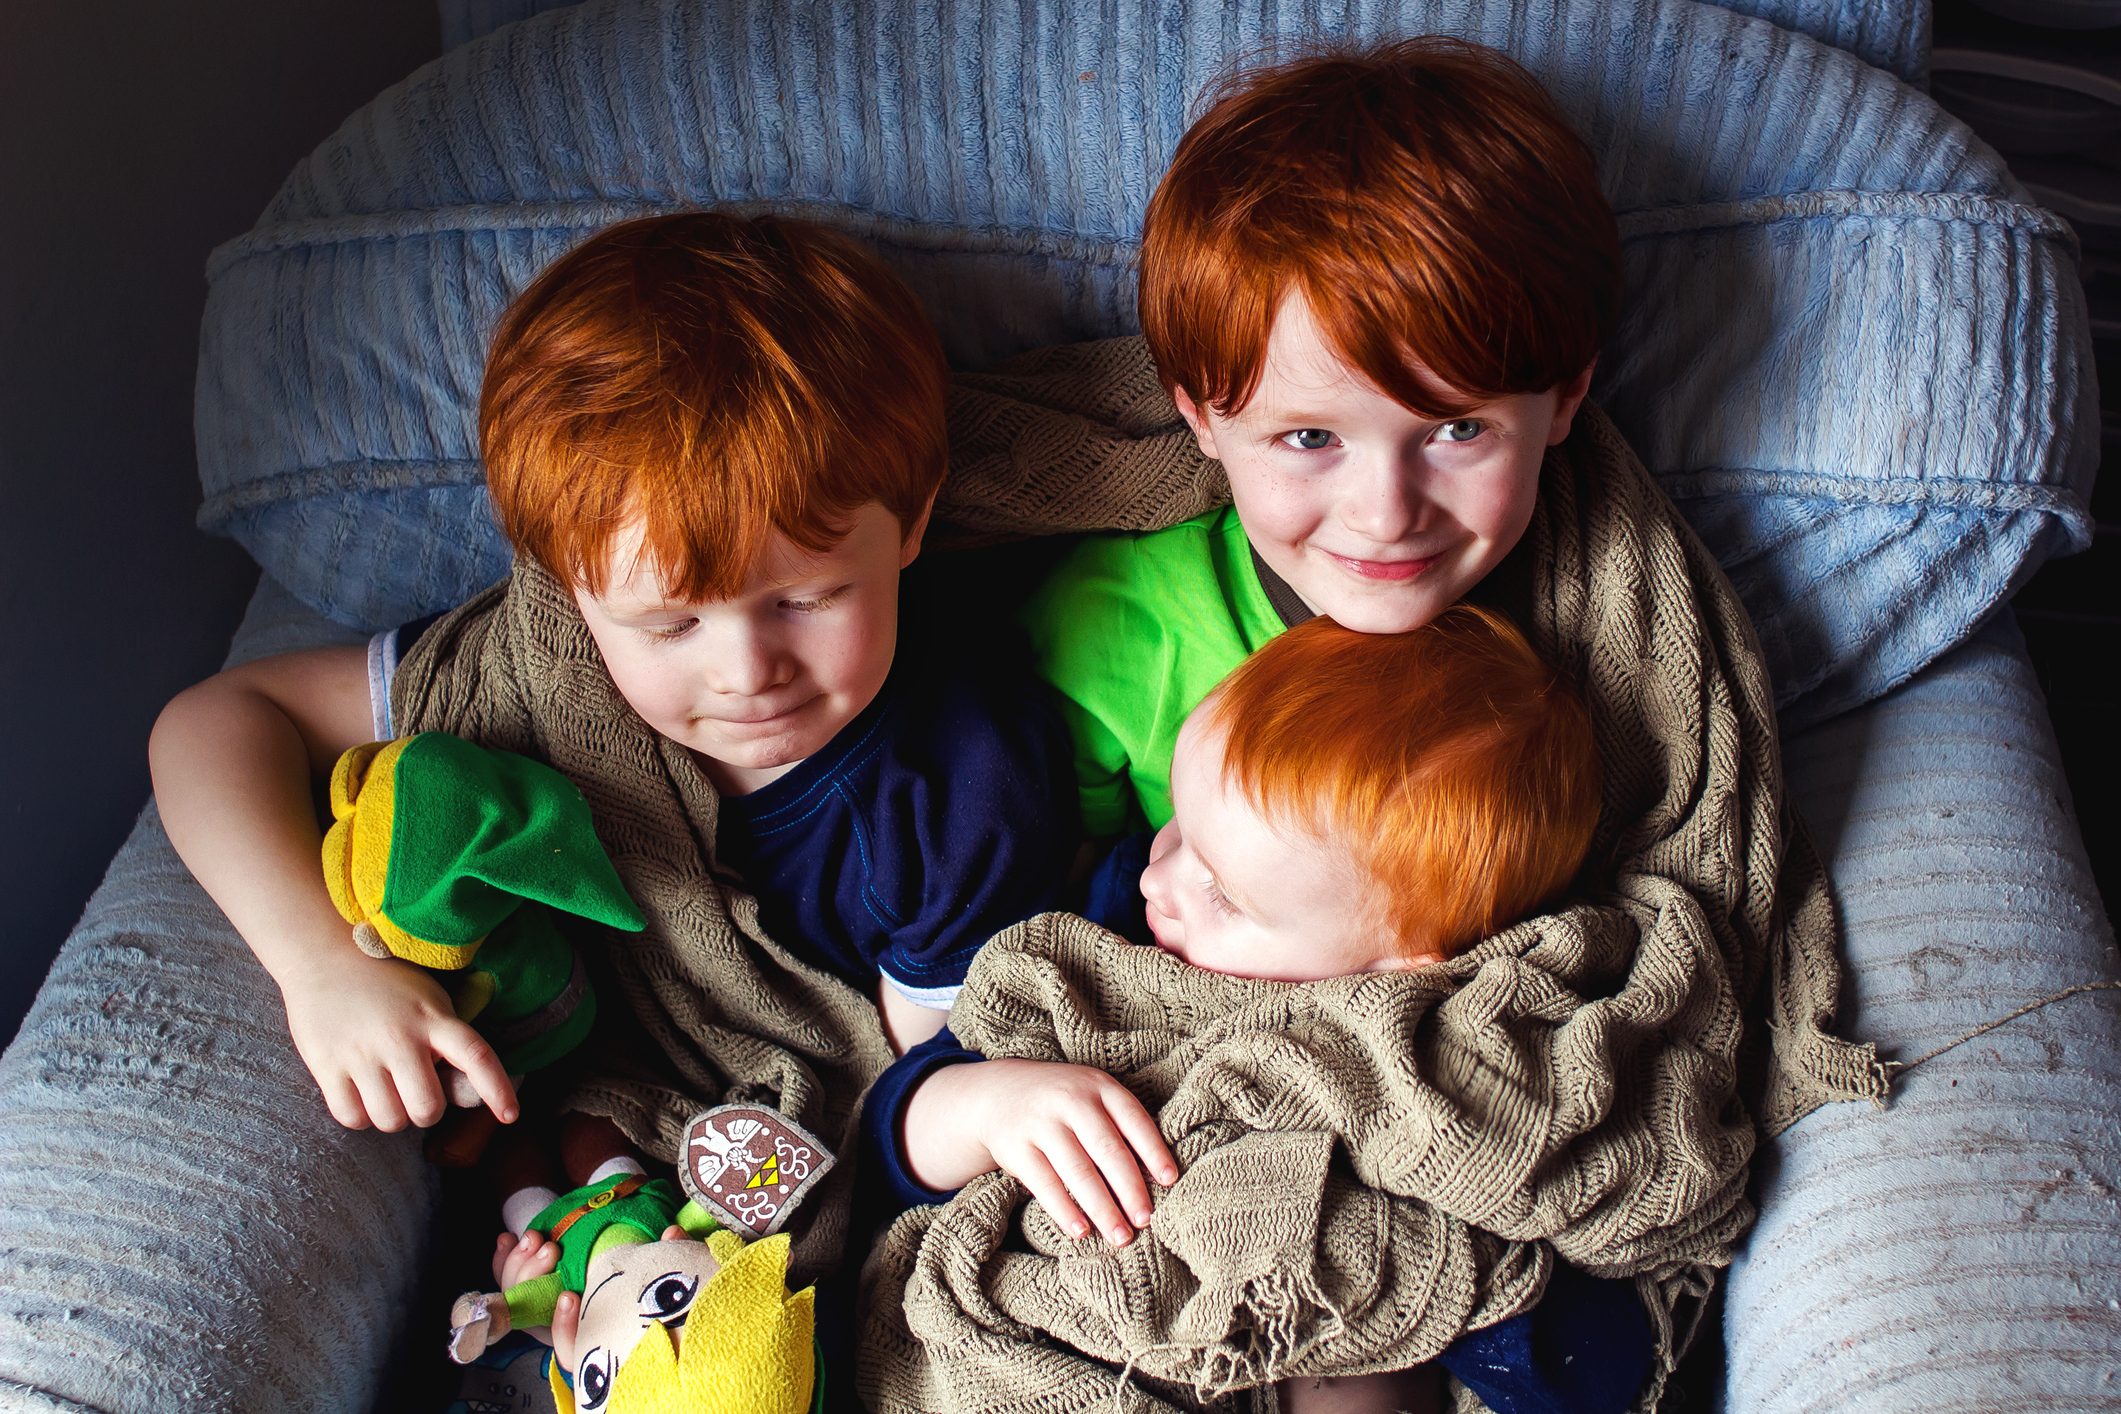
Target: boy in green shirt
x=1375, y=285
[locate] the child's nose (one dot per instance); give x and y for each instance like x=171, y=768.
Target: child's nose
x=1155, y=881
x=1166, y=840
x=746, y=663
x=1385, y=503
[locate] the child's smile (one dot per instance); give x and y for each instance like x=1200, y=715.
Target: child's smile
x=1377, y=516
x=755, y=683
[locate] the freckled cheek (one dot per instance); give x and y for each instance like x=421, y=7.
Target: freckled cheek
x=1278, y=511
x=855, y=659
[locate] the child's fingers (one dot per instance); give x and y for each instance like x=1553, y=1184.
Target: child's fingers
x=1114, y=1157
x=419, y=1091
x=380, y=1098
x=343, y=1099
x=467, y=1050
x=1142, y=1135
x=1051, y=1194
x=566, y=1325
x=1088, y=1186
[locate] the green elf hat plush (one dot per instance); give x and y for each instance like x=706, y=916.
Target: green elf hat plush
x=435, y=846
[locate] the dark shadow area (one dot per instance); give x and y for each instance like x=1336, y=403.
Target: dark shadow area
x=138, y=138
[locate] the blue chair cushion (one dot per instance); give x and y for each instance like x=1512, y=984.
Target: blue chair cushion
x=1853, y=352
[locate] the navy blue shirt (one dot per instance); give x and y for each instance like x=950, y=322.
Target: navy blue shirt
x=935, y=819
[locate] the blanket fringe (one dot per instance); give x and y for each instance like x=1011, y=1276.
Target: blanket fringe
x=1895, y=1069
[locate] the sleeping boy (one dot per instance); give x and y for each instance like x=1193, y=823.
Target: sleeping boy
x=1342, y=803
x=724, y=435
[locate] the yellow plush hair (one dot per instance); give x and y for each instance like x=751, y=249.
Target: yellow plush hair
x=748, y=1346
x=357, y=852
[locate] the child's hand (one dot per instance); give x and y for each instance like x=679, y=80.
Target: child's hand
x=371, y=1029
x=518, y=1259
x=1074, y=1136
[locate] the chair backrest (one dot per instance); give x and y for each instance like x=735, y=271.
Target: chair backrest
x=1853, y=352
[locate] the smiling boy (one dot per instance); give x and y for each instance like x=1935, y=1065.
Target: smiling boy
x=725, y=435
x=1374, y=285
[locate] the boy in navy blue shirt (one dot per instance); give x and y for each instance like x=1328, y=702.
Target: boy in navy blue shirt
x=726, y=435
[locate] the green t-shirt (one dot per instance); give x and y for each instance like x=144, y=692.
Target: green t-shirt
x=1134, y=630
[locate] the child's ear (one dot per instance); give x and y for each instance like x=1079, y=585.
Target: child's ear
x=1570, y=397
x=1198, y=421
x=910, y=542
x=1396, y=962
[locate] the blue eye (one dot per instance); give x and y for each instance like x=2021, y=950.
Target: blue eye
x=1308, y=439
x=592, y=1382
x=1462, y=429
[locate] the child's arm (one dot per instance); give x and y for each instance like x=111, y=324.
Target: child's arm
x=906, y=1022
x=234, y=761
x=1074, y=1136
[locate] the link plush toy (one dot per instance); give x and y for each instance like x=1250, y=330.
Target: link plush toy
x=679, y=1312
x=436, y=845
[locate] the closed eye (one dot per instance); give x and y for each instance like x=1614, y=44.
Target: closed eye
x=1217, y=899
x=817, y=604
x=666, y=632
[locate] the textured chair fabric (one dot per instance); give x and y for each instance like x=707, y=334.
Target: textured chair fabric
x=187, y=1227
x=1852, y=352
x=1892, y=34
x=190, y=1230
x=1959, y=1253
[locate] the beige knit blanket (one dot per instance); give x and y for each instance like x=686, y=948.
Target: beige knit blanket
x=1374, y=1165
x=1616, y=1032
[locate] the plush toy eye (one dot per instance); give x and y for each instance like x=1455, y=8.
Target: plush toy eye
x=669, y=1297
x=592, y=1383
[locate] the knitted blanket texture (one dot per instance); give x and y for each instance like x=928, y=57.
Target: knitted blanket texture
x=1372, y=1165
x=1375, y=1164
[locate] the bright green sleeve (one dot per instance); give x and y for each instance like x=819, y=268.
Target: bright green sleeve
x=530, y=1302
x=1132, y=630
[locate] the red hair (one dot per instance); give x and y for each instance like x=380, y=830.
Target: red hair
x=718, y=378
x=1456, y=765
x=1426, y=198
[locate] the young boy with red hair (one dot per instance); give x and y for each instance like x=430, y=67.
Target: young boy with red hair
x=725, y=435
x=1375, y=284
x=1347, y=802
x=1342, y=803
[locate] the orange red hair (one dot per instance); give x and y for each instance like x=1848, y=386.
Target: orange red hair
x=1425, y=197
x=716, y=377
x=1457, y=767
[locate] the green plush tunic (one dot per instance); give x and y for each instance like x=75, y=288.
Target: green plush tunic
x=635, y=1217
x=1134, y=630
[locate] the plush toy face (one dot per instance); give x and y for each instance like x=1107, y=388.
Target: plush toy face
x=688, y=1327
x=628, y=1290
